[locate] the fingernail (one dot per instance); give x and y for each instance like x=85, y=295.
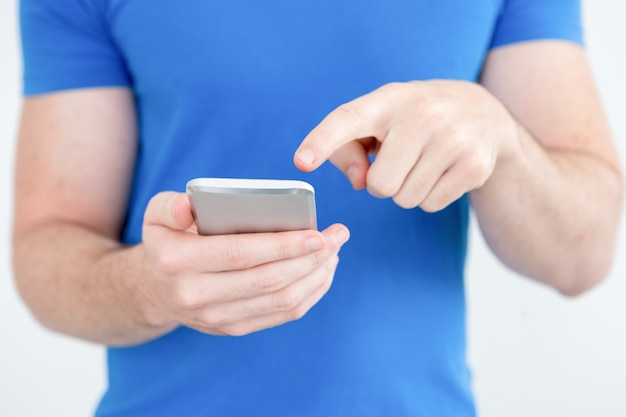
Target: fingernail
x=314, y=244
x=306, y=156
x=341, y=237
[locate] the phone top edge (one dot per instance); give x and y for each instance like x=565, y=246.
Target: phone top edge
x=248, y=185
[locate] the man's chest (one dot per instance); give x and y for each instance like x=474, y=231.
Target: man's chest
x=173, y=45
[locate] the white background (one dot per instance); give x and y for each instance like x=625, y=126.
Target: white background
x=534, y=353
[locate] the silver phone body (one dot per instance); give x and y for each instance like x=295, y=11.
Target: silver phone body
x=229, y=205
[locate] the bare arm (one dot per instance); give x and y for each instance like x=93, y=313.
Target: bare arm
x=531, y=146
x=551, y=211
x=74, y=161
x=75, y=158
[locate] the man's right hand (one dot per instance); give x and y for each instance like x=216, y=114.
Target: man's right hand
x=230, y=284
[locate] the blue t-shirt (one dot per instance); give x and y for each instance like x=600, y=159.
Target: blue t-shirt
x=229, y=89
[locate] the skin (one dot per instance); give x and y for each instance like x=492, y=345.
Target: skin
x=530, y=145
x=77, y=278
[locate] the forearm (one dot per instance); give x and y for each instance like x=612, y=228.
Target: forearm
x=552, y=215
x=82, y=284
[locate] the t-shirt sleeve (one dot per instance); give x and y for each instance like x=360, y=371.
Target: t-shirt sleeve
x=527, y=20
x=66, y=45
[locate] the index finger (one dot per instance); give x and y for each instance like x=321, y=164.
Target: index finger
x=366, y=116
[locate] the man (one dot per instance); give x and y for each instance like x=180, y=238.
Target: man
x=126, y=100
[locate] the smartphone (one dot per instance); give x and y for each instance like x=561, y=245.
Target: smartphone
x=236, y=205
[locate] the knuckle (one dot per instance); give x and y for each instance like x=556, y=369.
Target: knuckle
x=405, y=201
x=395, y=88
x=328, y=272
x=428, y=207
x=214, y=319
x=381, y=187
x=237, y=256
x=352, y=113
x=456, y=139
x=432, y=204
x=170, y=262
x=268, y=280
x=285, y=299
x=237, y=330
x=326, y=284
x=476, y=166
x=317, y=259
x=298, y=312
x=414, y=87
x=330, y=267
x=433, y=112
x=284, y=244
x=187, y=300
x=332, y=262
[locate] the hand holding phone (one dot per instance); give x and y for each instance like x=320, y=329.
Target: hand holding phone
x=231, y=284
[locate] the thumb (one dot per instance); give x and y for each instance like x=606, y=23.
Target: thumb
x=352, y=159
x=169, y=209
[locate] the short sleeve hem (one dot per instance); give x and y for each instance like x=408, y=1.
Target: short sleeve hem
x=529, y=20
x=66, y=45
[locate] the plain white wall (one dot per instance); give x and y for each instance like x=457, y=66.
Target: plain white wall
x=41, y=373
x=534, y=353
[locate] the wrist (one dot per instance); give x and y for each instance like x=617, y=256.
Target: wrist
x=137, y=283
